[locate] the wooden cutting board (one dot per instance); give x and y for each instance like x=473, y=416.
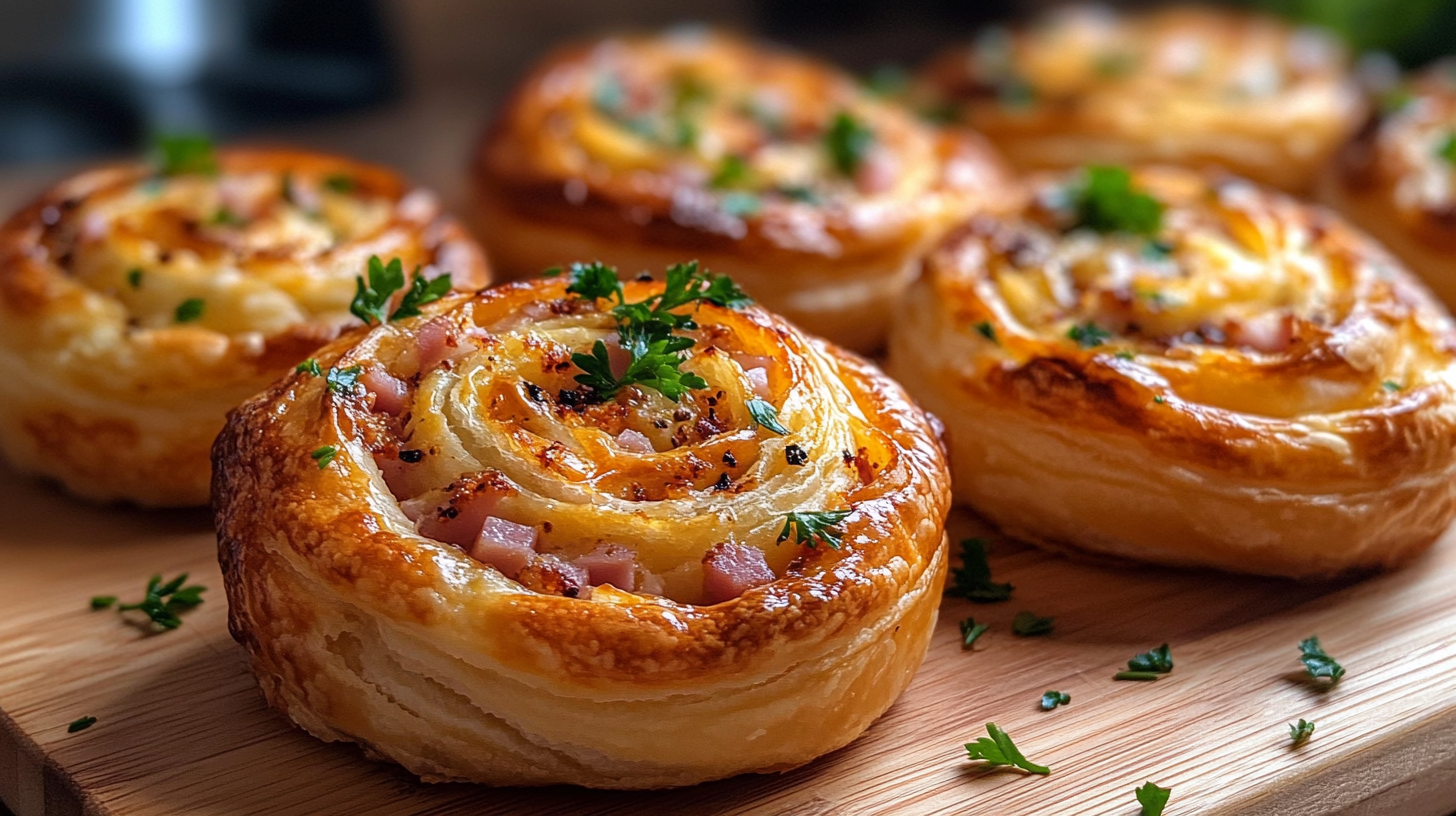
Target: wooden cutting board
x=183, y=730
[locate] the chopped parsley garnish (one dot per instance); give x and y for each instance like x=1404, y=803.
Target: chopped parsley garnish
x=732, y=172
x=1300, y=732
x=371, y=298
x=765, y=416
x=134, y=278
x=1159, y=660
x=848, y=142
x=998, y=749
x=324, y=455
x=1124, y=354
x=189, y=310
x=1107, y=202
x=80, y=725
x=646, y=328
x=225, y=218
x=1391, y=385
x=339, y=183
x=102, y=601
x=1152, y=798
x=1052, y=699
x=309, y=366
x=1089, y=335
x=1142, y=676
x=972, y=579
x=740, y=204
x=185, y=154
x=1317, y=663
x=812, y=529
x=1029, y=624
x=1447, y=148
x=987, y=331
x=342, y=380
x=1160, y=399
x=971, y=631
x=164, y=601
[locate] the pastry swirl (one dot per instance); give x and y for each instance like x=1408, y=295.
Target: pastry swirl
x=1397, y=178
x=1248, y=384
x=138, y=307
x=1183, y=85
x=501, y=575
x=816, y=195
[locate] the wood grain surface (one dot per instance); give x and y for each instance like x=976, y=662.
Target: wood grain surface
x=182, y=728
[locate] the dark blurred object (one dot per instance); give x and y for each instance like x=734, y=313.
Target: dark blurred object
x=89, y=76
x=1413, y=31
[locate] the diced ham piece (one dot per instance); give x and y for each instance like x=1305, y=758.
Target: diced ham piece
x=878, y=172
x=505, y=545
x=635, y=441
x=730, y=569
x=610, y=564
x=389, y=392
x=396, y=475
x=758, y=379
x=438, y=342
x=460, y=520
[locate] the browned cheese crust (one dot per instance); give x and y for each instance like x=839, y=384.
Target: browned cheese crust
x=1256, y=387
x=1397, y=178
x=644, y=150
x=137, y=309
x=1183, y=85
x=362, y=628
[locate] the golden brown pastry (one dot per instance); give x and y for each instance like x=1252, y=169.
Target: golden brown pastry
x=1189, y=371
x=1183, y=85
x=817, y=196
x=1397, y=178
x=139, y=303
x=544, y=542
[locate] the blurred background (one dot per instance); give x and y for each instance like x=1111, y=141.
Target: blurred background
x=411, y=82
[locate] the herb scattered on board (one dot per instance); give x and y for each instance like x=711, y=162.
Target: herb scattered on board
x=848, y=143
x=1148, y=666
x=971, y=632
x=372, y=296
x=80, y=725
x=998, y=749
x=812, y=529
x=765, y=416
x=189, y=310
x=1152, y=798
x=1106, y=201
x=324, y=455
x=1317, y=663
x=184, y=154
x=1029, y=624
x=972, y=579
x=1300, y=732
x=1052, y=699
x=1140, y=676
x=162, y=603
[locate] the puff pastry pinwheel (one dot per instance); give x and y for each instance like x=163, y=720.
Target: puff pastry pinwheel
x=1188, y=370
x=1397, y=178
x=570, y=531
x=1182, y=85
x=814, y=194
x=139, y=303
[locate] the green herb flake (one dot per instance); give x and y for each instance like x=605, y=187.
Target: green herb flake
x=189, y=310
x=184, y=154
x=1139, y=676
x=848, y=143
x=420, y=292
x=1160, y=399
x=134, y=278
x=225, y=218
x=1317, y=663
x=1447, y=148
x=971, y=632
x=165, y=600
x=342, y=380
x=1152, y=798
x=1300, y=732
x=102, y=601
x=593, y=281
x=812, y=529
x=324, y=455
x=765, y=416
x=80, y=725
x=1089, y=335
x=732, y=172
x=309, y=366
x=339, y=183
x=1029, y=624
x=1124, y=354
x=1052, y=699
x=998, y=749
x=972, y=579
x=372, y=296
x=1107, y=202
x=987, y=331
x=1159, y=660
x=1391, y=385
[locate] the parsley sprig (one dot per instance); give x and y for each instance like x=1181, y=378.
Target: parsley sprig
x=646, y=328
x=813, y=529
x=184, y=154
x=1148, y=666
x=971, y=632
x=1030, y=624
x=1052, y=699
x=848, y=143
x=163, y=601
x=1106, y=201
x=998, y=749
x=373, y=295
x=1152, y=798
x=1300, y=732
x=972, y=579
x=765, y=416
x=1317, y=663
